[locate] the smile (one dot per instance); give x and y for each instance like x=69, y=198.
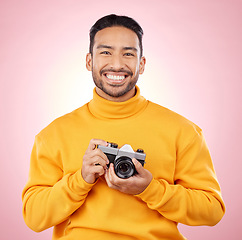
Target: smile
x=115, y=77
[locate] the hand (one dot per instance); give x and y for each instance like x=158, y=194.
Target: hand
x=133, y=185
x=94, y=161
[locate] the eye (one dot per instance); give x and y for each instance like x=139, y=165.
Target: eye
x=105, y=53
x=128, y=54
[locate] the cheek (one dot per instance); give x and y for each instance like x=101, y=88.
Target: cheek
x=95, y=66
x=98, y=65
x=136, y=69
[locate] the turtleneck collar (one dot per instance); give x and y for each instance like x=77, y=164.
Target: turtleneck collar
x=106, y=109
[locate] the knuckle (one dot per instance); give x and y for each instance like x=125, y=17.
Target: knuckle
x=101, y=171
x=97, y=151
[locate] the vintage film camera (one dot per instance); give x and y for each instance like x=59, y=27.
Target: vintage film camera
x=122, y=158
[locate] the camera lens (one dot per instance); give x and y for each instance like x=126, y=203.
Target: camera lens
x=124, y=167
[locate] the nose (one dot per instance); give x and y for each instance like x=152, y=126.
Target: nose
x=117, y=62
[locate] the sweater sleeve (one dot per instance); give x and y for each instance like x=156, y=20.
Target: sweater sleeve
x=194, y=198
x=49, y=197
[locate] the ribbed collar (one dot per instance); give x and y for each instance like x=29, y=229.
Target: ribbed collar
x=106, y=109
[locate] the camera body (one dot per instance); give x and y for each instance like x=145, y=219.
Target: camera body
x=122, y=158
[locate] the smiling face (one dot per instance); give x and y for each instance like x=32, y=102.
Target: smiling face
x=115, y=63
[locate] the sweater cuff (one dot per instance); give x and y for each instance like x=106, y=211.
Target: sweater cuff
x=153, y=192
x=80, y=185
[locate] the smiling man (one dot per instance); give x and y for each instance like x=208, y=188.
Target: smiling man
x=116, y=62
x=81, y=184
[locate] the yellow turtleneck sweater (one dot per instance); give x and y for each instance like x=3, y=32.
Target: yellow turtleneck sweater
x=184, y=187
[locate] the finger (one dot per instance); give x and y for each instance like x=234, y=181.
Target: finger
x=100, y=153
x=108, y=180
x=111, y=173
x=99, y=170
x=96, y=170
x=95, y=155
x=114, y=179
x=94, y=142
x=106, y=176
x=97, y=160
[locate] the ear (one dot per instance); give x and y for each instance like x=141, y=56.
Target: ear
x=89, y=62
x=142, y=65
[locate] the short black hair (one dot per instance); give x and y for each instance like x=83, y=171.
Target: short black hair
x=115, y=20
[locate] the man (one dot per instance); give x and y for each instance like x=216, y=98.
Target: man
x=74, y=187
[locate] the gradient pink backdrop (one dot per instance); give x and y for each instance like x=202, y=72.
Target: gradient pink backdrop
x=194, y=67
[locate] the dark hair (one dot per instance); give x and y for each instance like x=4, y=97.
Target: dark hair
x=114, y=20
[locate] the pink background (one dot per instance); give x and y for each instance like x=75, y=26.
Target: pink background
x=194, y=67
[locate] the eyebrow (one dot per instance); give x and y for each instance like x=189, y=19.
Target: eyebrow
x=104, y=46
x=110, y=47
x=131, y=48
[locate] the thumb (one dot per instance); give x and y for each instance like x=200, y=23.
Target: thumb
x=138, y=166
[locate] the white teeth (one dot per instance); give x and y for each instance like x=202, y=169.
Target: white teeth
x=115, y=77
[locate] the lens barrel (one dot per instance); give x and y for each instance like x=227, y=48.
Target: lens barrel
x=124, y=167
